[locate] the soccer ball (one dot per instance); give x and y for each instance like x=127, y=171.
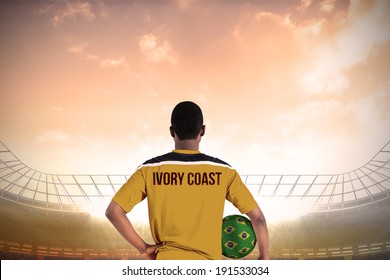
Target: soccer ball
x=238, y=236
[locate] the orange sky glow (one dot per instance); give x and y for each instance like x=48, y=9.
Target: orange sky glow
x=286, y=87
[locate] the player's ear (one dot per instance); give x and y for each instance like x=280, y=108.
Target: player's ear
x=172, y=131
x=203, y=130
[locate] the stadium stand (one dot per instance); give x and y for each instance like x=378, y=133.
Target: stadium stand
x=43, y=216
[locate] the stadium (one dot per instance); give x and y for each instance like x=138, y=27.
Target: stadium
x=335, y=216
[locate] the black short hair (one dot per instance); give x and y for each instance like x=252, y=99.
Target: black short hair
x=187, y=120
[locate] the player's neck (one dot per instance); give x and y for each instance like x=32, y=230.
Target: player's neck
x=187, y=145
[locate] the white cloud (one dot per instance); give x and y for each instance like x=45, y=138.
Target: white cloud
x=119, y=62
x=78, y=48
x=53, y=136
x=327, y=6
x=321, y=79
x=365, y=110
x=148, y=42
x=71, y=11
x=156, y=51
x=304, y=4
x=362, y=31
x=81, y=49
x=90, y=56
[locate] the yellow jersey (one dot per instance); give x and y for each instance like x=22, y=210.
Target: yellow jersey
x=186, y=192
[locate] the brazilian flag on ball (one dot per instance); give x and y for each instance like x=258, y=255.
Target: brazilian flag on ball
x=238, y=236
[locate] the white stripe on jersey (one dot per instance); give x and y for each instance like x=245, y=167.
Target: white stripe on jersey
x=172, y=162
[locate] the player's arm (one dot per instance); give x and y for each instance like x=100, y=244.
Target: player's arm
x=121, y=222
x=259, y=225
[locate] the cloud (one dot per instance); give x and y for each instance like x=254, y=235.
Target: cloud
x=327, y=6
x=120, y=62
x=321, y=79
x=72, y=10
x=78, y=48
x=156, y=51
x=360, y=33
x=82, y=50
x=53, y=136
x=304, y=4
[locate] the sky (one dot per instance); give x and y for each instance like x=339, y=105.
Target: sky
x=286, y=87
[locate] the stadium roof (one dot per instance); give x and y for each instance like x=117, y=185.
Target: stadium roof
x=365, y=185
